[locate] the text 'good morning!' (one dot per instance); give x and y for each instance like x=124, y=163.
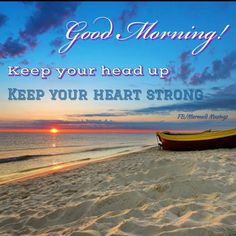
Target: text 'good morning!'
x=141, y=30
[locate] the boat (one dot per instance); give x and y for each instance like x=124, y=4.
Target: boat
x=197, y=141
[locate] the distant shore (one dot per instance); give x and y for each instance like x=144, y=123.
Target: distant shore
x=150, y=192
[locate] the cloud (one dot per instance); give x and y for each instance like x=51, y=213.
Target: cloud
x=73, y=124
x=3, y=19
x=60, y=124
x=216, y=88
x=217, y=70
x=94, y=115
x=184, y=56
x=48, y=15
x=185, y=67
x=223, y=100
x=228, y=104
x=228, y=90
x=56, y=43
x=25, y=62
x=11, y=48
x=184, y=71
x=128, y=14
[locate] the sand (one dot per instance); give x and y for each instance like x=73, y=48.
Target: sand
x=151, y=192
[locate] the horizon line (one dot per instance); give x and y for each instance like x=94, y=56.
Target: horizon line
x=47, y=130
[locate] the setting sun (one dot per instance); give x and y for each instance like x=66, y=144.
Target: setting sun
x=54, y=130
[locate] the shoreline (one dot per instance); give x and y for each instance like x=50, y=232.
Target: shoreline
x=60, y=168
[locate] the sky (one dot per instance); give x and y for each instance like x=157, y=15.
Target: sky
x=33, y=32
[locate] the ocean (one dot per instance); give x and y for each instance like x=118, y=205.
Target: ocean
x=22, y=153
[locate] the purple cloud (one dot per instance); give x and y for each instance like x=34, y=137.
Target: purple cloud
x=11, y=48
x=127, y=14
x=218, y=70
x=3, y=19
x=185, y=68
x=223, y=100
x=48, y=15
x=184, y=56
x=25, y=62
x=56, y=43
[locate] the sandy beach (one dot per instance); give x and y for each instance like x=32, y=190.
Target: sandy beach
x=150, y=192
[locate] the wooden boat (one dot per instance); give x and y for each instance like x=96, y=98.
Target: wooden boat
x=197, y=141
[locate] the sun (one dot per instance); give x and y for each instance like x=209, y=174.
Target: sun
x=53, y=130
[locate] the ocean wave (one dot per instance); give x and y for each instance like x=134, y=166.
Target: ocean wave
x=105, y=148
x=33, y=156
x=24, y=157
x=41, y=148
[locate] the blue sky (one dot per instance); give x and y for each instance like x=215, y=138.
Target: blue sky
x=31, y=34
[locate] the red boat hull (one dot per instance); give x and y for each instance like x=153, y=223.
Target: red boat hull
x=224, y=142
